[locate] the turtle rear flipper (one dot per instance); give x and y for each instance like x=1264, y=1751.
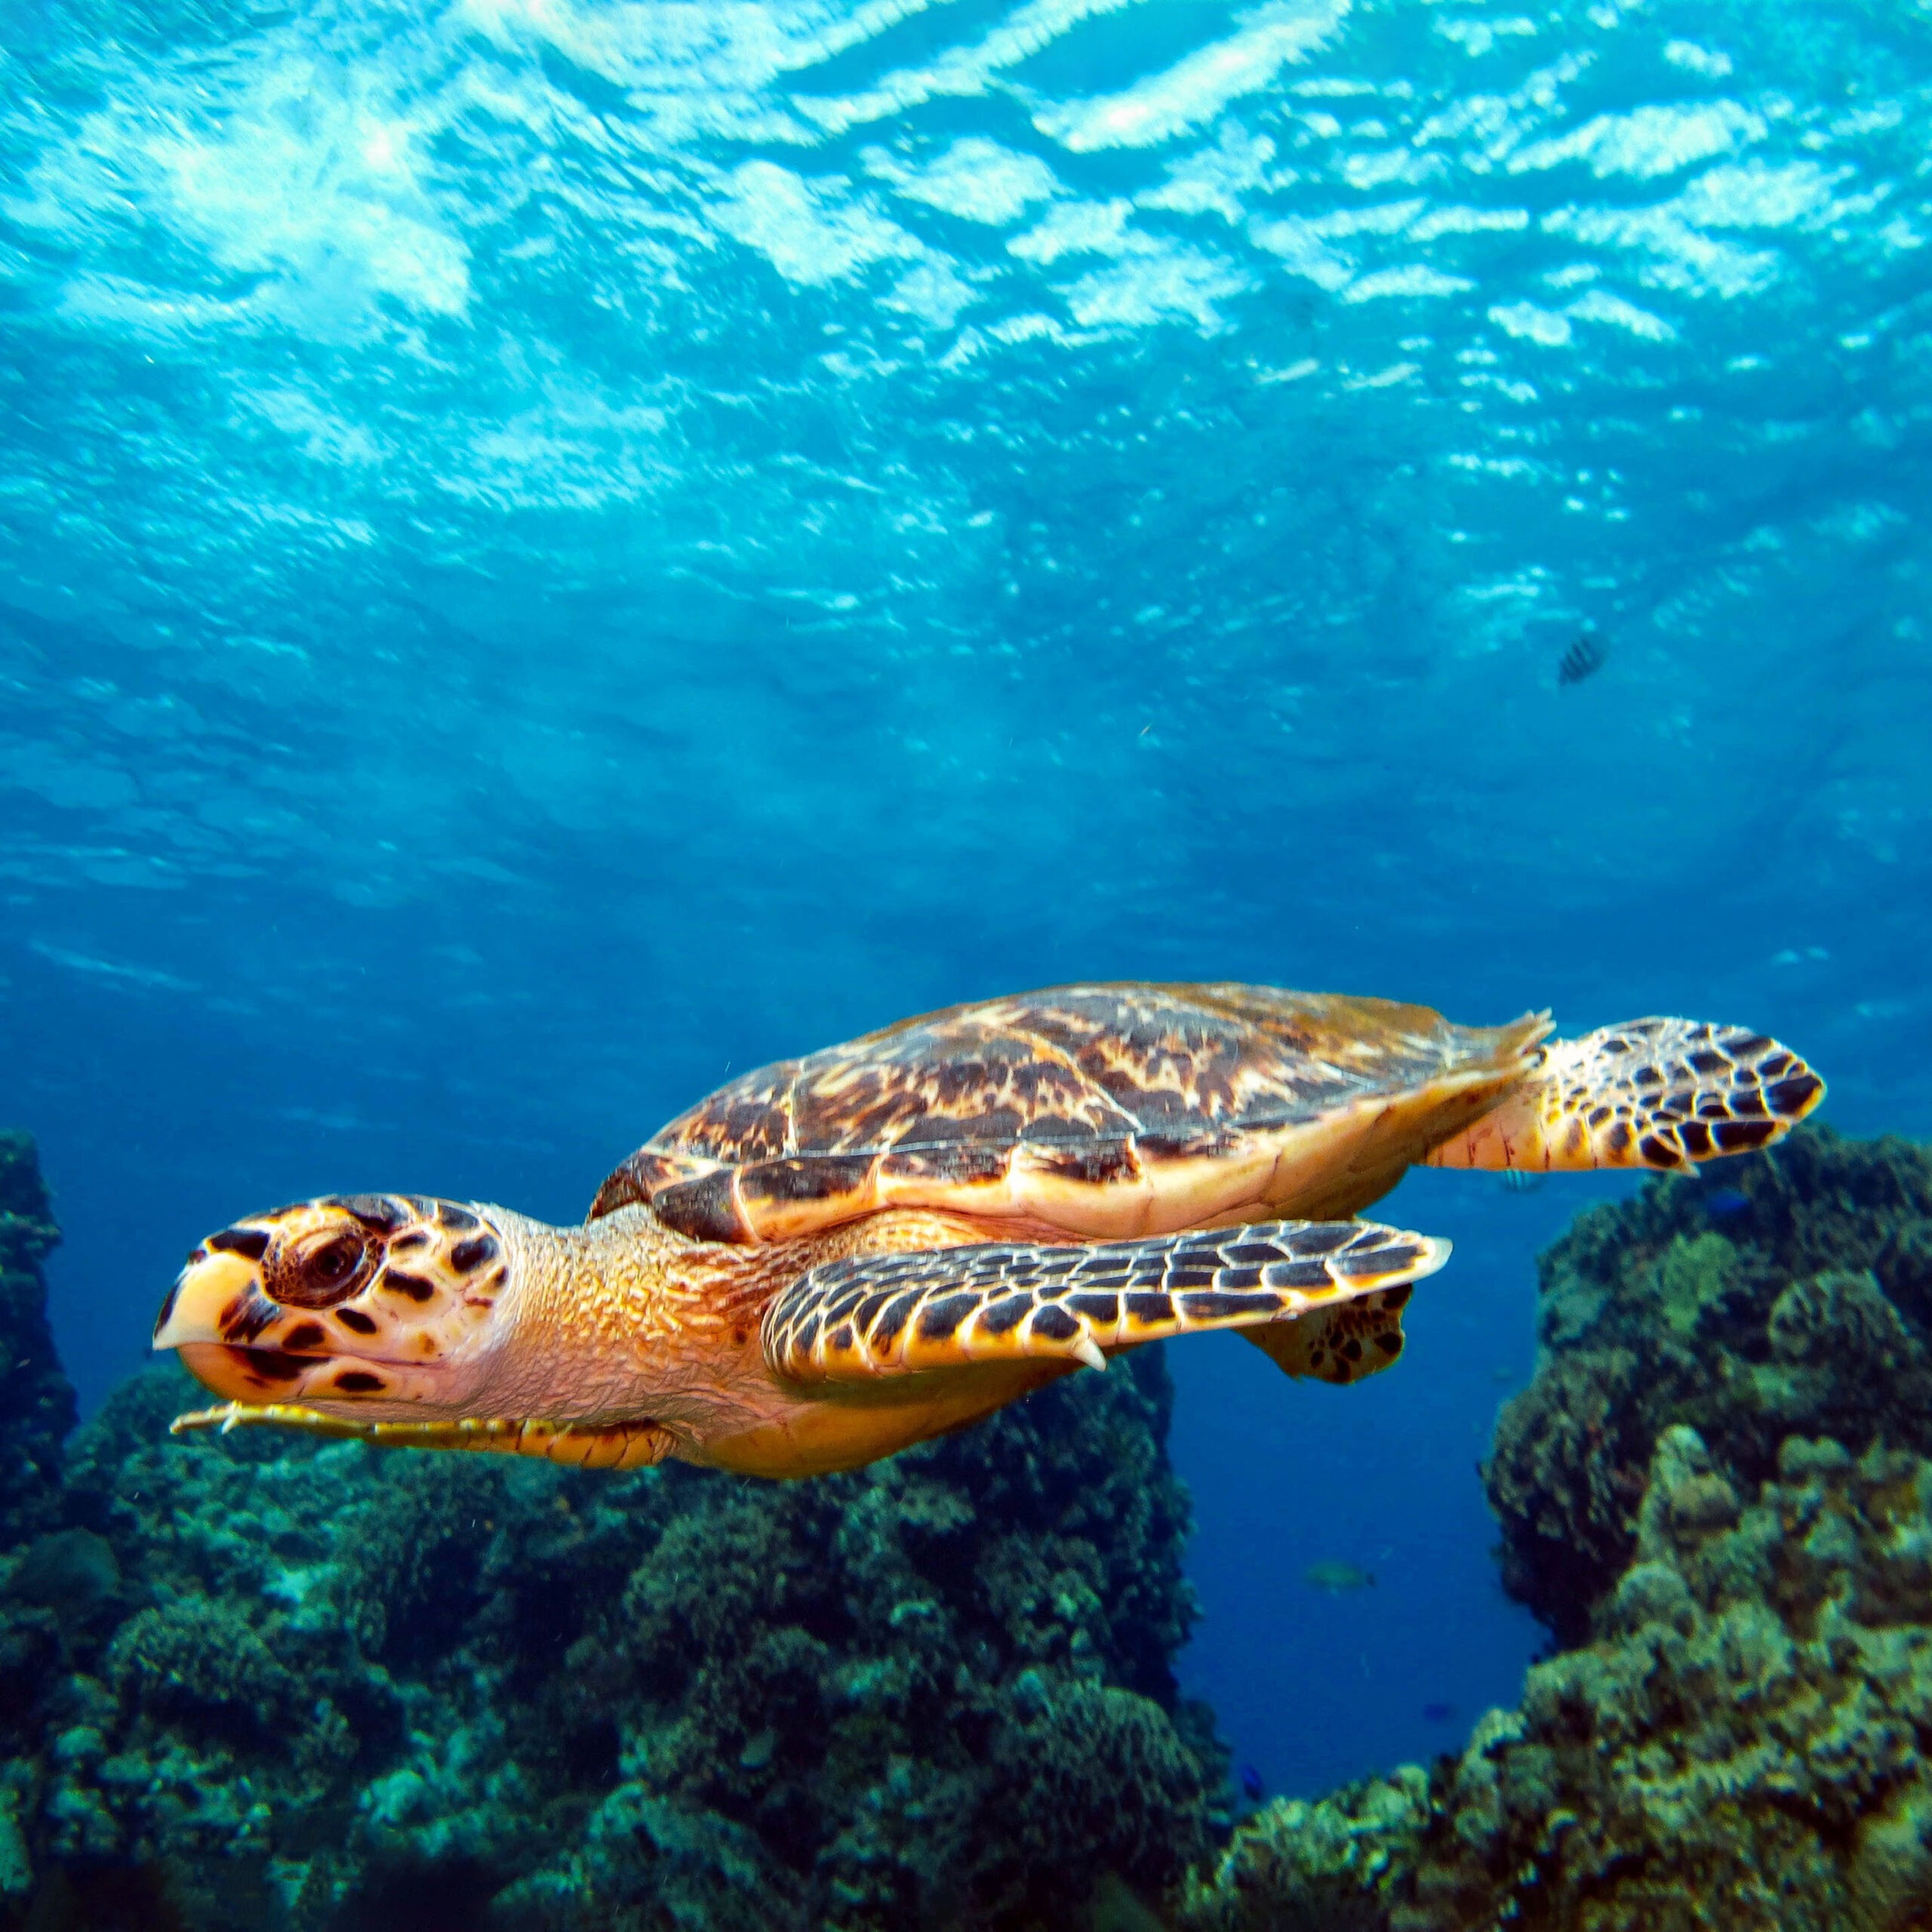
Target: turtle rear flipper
x=1663, y=1094
x=885, y=1314
x=1339, y=1344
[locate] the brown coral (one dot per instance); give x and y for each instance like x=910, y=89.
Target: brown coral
x=1786, y=1294
x=1743, y=1745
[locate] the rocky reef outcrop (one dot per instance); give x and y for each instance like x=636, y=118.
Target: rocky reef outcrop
x=1746, y=1742
x=259, y=1682
x=1787, y=1293
x=36, y=1402
x=1717, y=1490
x=262, y=1683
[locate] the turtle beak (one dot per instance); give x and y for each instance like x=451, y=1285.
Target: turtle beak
x=211, y=1296
x=217, y=1303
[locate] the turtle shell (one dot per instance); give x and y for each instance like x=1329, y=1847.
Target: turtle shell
x=1094, y=1111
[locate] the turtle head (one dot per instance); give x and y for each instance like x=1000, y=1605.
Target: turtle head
x=358, y=1302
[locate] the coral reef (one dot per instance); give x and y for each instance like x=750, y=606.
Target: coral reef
x=1747, y=1742
x=36, y=1403
x=1717, y=1489
x=1341, y=1864
x=271, y=1684
x=1786, y=1294
x=255, y=1682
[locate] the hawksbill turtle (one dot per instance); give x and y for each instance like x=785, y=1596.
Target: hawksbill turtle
x=835, y=1256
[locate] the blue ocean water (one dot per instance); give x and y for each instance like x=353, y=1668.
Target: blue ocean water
x=551, y=552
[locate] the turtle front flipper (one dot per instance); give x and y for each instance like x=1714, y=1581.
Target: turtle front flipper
x=1663, y=1094
x=582, y=1445
x=877, y=1315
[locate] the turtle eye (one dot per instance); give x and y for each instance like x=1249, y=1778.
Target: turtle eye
x=320, y=1269
x=336, y=1261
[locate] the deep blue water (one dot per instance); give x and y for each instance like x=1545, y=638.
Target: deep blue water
x=549, y=552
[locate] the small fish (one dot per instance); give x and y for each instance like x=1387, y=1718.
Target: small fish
x=1437, y=1713
x=1726, y=1204
x=1520, y=1180
x=1584, y=658
x=1336, y=1576
x=1252, y=1788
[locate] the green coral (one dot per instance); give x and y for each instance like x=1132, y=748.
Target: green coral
x=36, y=1401
x=1788, y=1292
x=318, y=1686
x=1696, y=1279
x=201, y=1663
x=654, y=1700
x=1744, y=1744
x=1749, y=1728
x=1333, y=1866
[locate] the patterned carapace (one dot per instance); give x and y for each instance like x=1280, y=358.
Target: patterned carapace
x=1072, y=1106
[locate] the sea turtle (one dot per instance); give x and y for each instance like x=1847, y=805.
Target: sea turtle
x=834, y=1256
